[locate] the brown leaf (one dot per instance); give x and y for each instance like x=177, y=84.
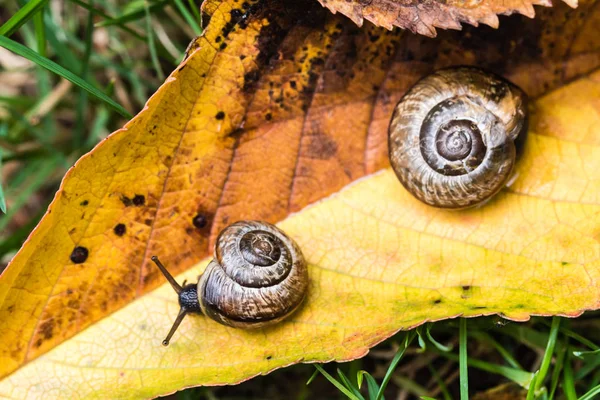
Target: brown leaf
x=423, y=16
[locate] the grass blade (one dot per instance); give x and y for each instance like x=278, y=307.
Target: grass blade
x=437, y=344
x=188, y=17
x=50, y=65
x=349, y=384
x=82, y=101
x=372, y=386
x=337, y=384
x=196, y=11
x=388, y=375
x=134, y=15
x=440, y=382
x=2, y=198
x=24, y=14
x=531, y=390
x=462, y=361
x=548, y=353
x=568, y=381
x=556, y=372
x=486, y=338
x=590, y=395
x=151, y=44
x=102, y=14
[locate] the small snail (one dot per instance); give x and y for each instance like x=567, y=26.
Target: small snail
x=257, y=278
x=455, y=135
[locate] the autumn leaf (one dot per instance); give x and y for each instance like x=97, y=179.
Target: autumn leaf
x=279, y=105
x=424, y=16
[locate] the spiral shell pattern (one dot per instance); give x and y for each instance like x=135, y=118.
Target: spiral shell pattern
x=257, y=278
x=453, y=137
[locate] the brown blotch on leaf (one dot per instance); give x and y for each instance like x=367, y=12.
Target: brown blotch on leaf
x=321, y=147
x=47, y=328
x=79, y=255
x=119, y=229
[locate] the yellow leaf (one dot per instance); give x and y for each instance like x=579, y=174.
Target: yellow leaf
x=380, y=261
x=278, y=106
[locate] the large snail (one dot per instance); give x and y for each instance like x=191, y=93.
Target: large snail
x=454, y=136
x=257, y=278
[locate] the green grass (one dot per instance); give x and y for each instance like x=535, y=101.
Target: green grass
x=91, y=72
x=553, y=378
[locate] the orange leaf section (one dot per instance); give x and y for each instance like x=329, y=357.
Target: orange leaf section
x=379, y=261
x=279, y=105
x=423, y=16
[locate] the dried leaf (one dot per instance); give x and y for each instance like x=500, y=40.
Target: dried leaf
x=423, y=16
x=280, y=105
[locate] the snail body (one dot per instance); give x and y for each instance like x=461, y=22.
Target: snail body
x=454, y=135
x=257, y=278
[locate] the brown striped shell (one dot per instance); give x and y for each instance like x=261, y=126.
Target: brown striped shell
x=453, y=136
x=257, y=278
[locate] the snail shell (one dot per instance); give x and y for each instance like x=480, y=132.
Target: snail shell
x=454, y=136
x=257, y=278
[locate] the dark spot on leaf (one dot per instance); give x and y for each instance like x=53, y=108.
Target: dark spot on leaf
x=268, y=117
x=220, y=115
x=223, y=46
x=438, y=301
x=84, y=203
x=200, y=221
x=477, y=307
x=119, y=229
x=139, y=200
x=148, y=222
x=269, y=357
x=79, y=255
x=250, y=79
x=466, y=292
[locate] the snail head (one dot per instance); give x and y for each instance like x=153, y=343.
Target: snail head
x=188, y=299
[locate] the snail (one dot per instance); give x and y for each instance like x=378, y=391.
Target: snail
x=257, y=278
x=455, y=135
